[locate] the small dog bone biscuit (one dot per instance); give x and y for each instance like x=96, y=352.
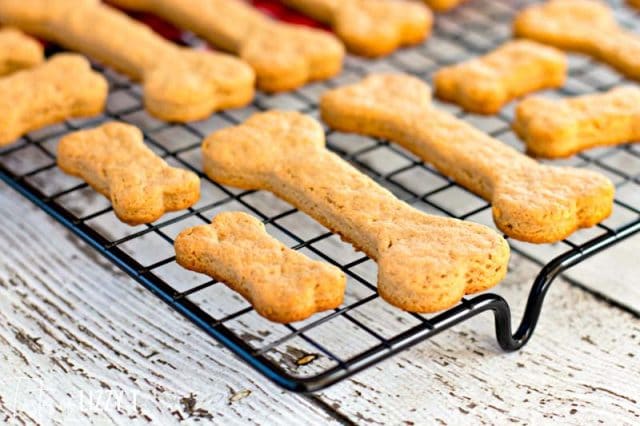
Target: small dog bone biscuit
x=284, y=56
x=371, y=27
x=531, y=202
x=283, y=285
x=560, y=128
x=485, y=84
x=584, y=26
x=443, y=5
x=114, y=160
x=61, y=88
x=425, y=263
x=18, y=51
x=180, y=84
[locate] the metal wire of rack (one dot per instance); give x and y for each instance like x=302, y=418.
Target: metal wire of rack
x=303, y=356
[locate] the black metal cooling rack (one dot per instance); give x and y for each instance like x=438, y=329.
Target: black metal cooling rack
x=328, y=347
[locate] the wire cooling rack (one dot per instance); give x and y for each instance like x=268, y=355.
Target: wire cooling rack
x=330, y=346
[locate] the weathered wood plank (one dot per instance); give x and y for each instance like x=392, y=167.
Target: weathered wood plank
x=79, y=340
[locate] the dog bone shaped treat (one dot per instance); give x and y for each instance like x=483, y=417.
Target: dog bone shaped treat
x=61, y=88
x=180, y=84
x=283, y=285
x=425, y=263
x=371, y=27
x=485, y=84
x=634, y=3
x=443, y=5
x=560, y=128
x=114, y=160
x=18, y=51
x=584, y=26
x=531, y=202
x=283, y=56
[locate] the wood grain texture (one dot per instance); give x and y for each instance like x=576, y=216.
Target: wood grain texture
x=72, y=323
x=80, y=341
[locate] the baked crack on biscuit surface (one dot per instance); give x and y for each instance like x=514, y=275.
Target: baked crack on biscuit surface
x=179, y=84
x=61, y=88
x=283, y=285
x=283, y=56
x=371, y=27
x=483, y=85
x=425, y=263
x=18, y=51
x=585, y=26
x=556, y=128
x=530, y=201
x=114, y=160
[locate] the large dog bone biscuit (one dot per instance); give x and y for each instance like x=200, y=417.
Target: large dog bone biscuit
x=531, y=202
x=18, y=51
x=485, y=84
x=284, y=56
x=560, y=128
x=283, y=285
x=180, y=84
x=585, y=26
x=425, y=263
x=114, y=160
x=371, y=27
x=61, y=88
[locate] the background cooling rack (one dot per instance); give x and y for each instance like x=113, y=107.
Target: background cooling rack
x=330, y=346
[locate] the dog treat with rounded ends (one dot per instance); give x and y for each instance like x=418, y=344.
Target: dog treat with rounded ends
x=283, y=285
x=443, y=5
x=61, y=88
x=634, y=3
x=180, y=84
x=483, y=85
x=531, y=202
x=560, y=128
x=114, y=160
x=18, y=51
x=585, y=26
x=283, y=56
x=371, y=27
x=425, y=263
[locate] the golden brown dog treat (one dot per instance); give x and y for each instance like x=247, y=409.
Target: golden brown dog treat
x=560, y=128
x=18, y=51
x=283, y=56
x=283, y=285
x=585, y=26
x=63, y=87
x=443, y=5
x=371, y=27
x=531, y=202
x=634, y=3
x=180, y=84
x=114, y=160
x=425, y=263
x=485, y=84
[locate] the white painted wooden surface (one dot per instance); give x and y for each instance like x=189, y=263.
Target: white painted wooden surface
x=81, y=342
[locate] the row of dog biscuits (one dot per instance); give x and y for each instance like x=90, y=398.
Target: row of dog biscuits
x=530, y=201
x=283, y=56
x=371, y=27
x=425, y=263
x=180, y=84
x=584, y=26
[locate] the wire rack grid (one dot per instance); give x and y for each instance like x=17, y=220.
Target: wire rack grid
x=331, y=346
